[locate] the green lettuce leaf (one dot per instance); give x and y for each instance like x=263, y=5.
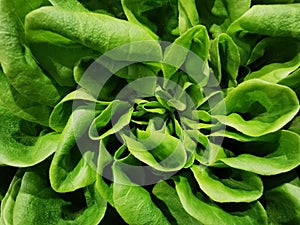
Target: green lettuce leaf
x=24, y=73
x=224, y=56
x=168, y=195
x=158, y=150
x=263, y=108
x=72, y=166
x=108, y=32
x=192, y=48
x=283, y=204
x=273, y=63
x=30, y=193
x=133, y=202
x=63, y=110
x=218, y=15
x=188, y=15
x=268, y=155
x=144, y=12
x=262, y=20
x=118, y=113
x=23, y=143
x=21, y=106
x=237, y=186
x=207, y=212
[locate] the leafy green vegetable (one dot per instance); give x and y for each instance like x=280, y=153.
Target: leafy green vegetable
x=160, y=151
x=188, y=15
x=218, y=15
x=21, y=106
x=144, y=13
x=149, y=112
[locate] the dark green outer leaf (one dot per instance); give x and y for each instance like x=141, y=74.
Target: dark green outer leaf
x=16, y=59
x=72, y=5
x=283, y=204
x=30, y=200
x=268, y=20
x=133, y=202
x=168, y=195
x=21, y=106
x=20, y=148
x=224, y=56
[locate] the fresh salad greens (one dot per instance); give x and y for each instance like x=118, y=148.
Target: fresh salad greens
x=150, y=112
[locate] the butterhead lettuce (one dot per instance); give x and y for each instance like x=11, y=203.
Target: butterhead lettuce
x=149, y=112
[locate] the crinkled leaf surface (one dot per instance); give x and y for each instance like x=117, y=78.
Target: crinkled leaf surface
x=108, y=32
x=23, y=143
x=24, y=73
